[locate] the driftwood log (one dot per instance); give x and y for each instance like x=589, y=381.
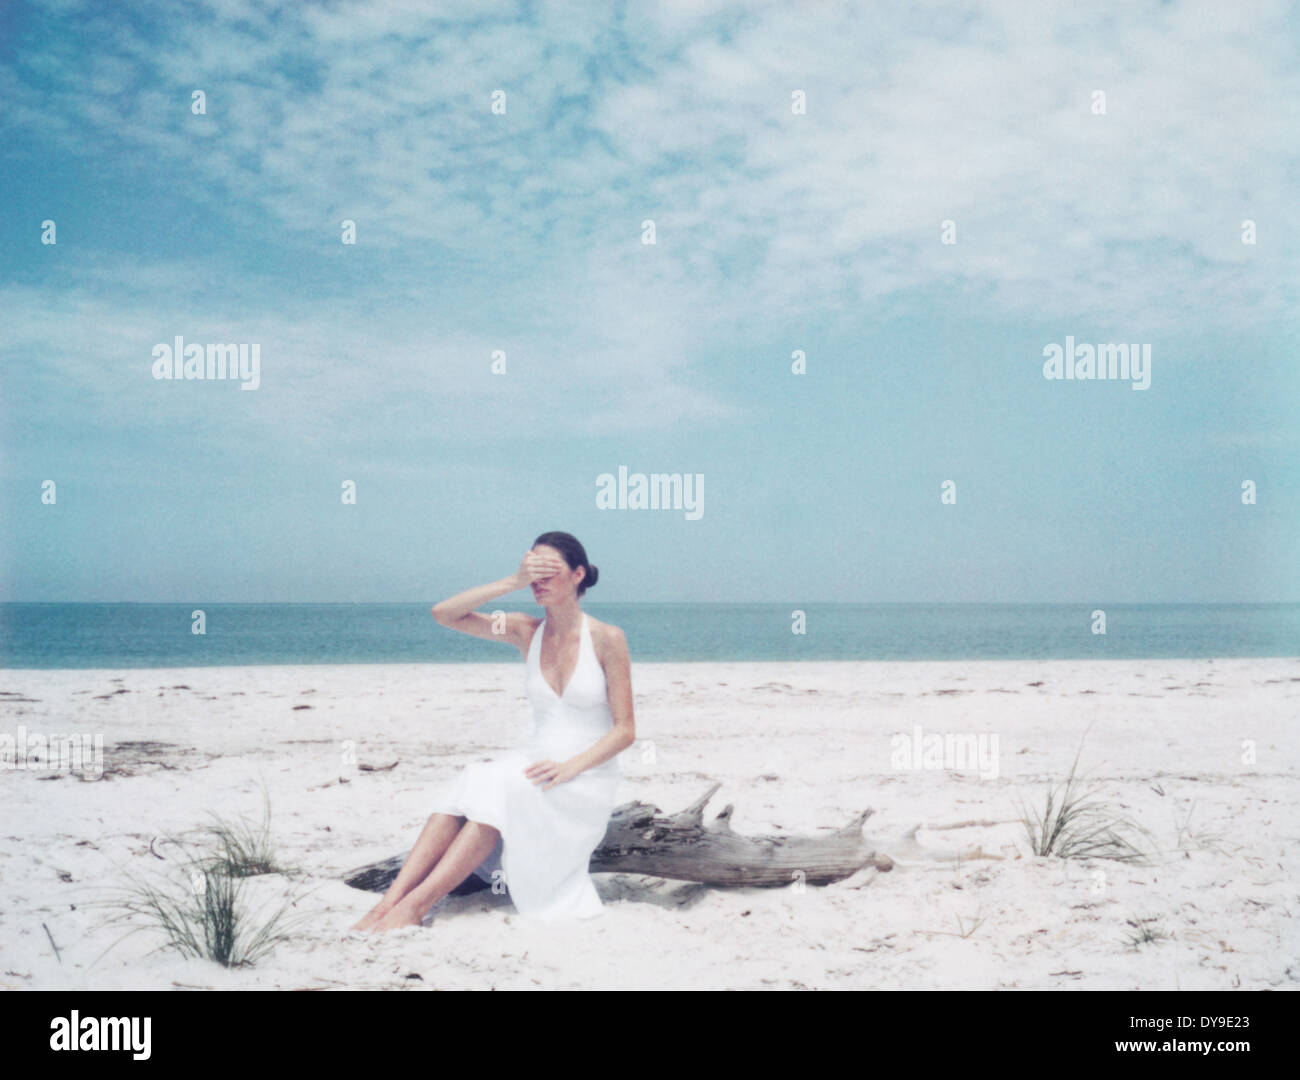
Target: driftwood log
x=641, y=839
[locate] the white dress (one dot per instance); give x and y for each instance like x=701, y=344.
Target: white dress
x=547, y=837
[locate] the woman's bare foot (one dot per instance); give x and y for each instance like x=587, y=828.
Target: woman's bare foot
x=373, y=915
x=401, y=915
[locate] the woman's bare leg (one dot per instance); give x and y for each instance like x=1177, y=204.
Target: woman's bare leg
x=472, y=845
x=434, y=839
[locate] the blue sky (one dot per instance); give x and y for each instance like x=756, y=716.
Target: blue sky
x=775, y=231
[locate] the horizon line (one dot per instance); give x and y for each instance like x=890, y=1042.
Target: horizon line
x=692, y=603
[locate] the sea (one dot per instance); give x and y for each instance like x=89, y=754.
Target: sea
x=130, y=635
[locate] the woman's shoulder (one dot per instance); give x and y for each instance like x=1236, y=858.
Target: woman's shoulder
x=606, y=635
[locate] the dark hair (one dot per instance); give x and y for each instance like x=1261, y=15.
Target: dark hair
x=568, y=546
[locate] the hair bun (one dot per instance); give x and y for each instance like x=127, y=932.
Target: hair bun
x=590, y=579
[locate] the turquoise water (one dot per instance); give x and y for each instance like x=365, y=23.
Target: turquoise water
x=158, y=635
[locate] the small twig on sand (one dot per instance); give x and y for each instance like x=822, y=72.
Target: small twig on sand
x=962, y=930
x=58, y=957
x=978, y=824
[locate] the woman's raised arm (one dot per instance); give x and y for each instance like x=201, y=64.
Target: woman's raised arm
x=458, y=612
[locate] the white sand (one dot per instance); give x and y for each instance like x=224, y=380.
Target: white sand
x=798, y=748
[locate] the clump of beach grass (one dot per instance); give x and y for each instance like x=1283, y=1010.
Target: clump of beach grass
x=201, y=909
x=1189, y=840
x=243, y=849
x=1143, y=933
x=1076, y=824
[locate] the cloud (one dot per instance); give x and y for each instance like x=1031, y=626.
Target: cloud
x=335, y=376
x=681, y=113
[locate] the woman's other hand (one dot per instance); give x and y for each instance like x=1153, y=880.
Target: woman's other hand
x=550, y=773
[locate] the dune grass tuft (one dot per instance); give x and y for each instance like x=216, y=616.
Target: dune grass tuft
x=201, y=908
x=1189, y=839
x=1143, y=933
x=243, y=849
x=1076, y=824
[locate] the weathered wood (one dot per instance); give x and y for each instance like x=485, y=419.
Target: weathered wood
x=641, y=839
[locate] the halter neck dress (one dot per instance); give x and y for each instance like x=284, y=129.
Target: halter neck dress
x=547, y=837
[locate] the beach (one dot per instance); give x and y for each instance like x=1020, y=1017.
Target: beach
x=1203, y=753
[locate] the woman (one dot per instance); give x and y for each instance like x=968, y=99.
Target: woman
x=532, y=817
